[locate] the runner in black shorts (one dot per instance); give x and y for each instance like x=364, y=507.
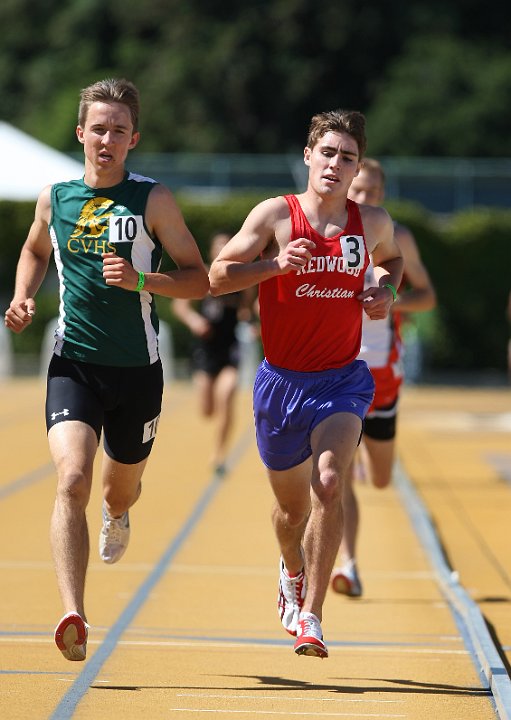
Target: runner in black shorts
x=382, y=350
x=108, y=231
x=123, y=402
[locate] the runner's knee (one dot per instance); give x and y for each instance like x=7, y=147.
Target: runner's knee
x=328, y=486
x=74, y=487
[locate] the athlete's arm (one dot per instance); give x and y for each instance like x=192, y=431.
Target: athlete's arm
x=164, y=219
x=419, y=294
x=184, y=310
x=387, y=261
x=236, y=268
x=32, y=266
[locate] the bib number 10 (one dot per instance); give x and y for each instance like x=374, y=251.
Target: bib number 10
x=125, y=228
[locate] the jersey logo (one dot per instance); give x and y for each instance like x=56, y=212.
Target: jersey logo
x=101, y=226
x=351, y=261
x=93, y=220
x=55, y=415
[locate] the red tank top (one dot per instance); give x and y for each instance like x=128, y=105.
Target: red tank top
x=311, y=320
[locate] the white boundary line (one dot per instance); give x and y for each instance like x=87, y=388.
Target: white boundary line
x=476, y=630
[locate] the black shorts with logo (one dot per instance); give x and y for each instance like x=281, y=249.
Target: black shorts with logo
x=124, y=402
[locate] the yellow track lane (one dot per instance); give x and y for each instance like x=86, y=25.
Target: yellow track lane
x=186, y=624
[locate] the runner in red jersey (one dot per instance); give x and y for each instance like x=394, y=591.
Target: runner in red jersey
x=308, y=253
x=333, y=278
x=382, y=351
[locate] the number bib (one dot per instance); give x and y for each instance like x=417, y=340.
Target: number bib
x=353, y=251
x=125, y=228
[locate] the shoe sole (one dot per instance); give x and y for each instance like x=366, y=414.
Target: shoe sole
x=311, y=649
x=71, y=637
x=113, y=560
x=342, y=585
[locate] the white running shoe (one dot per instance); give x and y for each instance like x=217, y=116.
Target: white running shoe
x=309, y=640
x=71, y=636
x=345, y=580
x=114, y=537
x=291, y=596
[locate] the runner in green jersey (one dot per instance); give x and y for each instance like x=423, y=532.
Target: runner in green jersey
x=107, y=231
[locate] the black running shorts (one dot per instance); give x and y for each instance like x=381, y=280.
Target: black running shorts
x=124, y=402
x=380, y=423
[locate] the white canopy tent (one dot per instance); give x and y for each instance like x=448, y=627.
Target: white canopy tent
x=27, y=165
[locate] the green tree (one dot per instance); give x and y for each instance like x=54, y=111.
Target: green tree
x=225, y=76
x=443, y=97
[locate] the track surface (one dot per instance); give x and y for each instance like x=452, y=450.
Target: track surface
x=186, y=624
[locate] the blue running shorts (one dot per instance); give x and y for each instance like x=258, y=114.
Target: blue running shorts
x=288, y=405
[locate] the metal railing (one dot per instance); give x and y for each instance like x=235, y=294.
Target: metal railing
x=442, y=185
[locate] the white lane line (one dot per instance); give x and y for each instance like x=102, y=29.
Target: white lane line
x=250, y=644
x=413, y=576
x=466, y=612
x=458, y=421
x=294, y=698
x=287, y=713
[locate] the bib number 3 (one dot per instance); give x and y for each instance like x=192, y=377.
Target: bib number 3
x=353, y=251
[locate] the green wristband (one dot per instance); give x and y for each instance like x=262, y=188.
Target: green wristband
x=392, y=289
x=141, y=281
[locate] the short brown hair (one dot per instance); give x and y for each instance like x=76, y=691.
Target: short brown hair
x=110, y=90
x=348, y=121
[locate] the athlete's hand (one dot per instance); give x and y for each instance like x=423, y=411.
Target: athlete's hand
x=19, y=314
x=295, y=255
x=376, y=302
x=118, y=271
x=200, y=326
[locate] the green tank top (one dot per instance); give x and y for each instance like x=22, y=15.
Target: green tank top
x=98, y=323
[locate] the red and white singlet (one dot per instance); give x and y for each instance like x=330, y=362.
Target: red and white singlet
x=382, y=349
x=312, y=320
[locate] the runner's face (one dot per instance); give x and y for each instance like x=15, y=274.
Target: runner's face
x=107, y=135
x=367, y=188
x=333, y=163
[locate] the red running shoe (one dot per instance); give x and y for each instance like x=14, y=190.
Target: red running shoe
x=346, y=582
x=71, y=636
x=309, y=640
